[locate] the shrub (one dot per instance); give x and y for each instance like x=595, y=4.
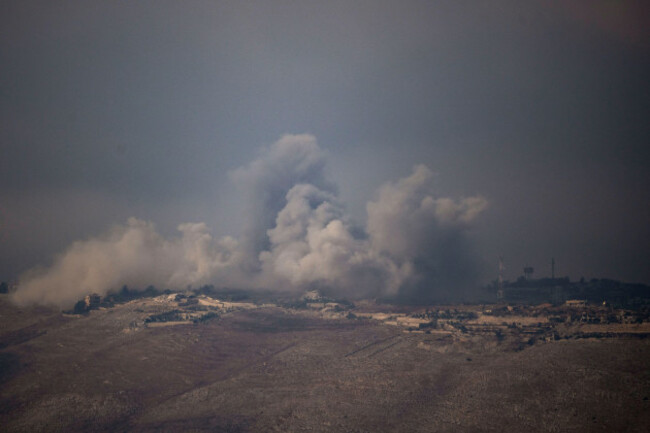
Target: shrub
x=169, y=316
x=209, y=316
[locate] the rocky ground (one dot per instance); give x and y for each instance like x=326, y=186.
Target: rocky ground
x=254, y=367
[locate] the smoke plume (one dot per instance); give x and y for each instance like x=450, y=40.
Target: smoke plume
x=297, y=237
x=425, y=234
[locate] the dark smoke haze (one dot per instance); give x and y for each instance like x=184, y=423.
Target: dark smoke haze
x=110, y=110
x=298, y=237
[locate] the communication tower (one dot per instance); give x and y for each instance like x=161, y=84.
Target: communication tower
x=528, y=271
x=553, y=268
x=500, y=279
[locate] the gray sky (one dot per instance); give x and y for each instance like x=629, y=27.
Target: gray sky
x=117, y=109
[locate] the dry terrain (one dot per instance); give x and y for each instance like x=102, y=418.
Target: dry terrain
x=263, y=367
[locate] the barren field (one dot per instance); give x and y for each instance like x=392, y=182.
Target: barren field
x=269, y=368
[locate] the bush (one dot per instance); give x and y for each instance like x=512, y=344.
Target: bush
x=211, y=315
x=80, y=307
x=169, y=316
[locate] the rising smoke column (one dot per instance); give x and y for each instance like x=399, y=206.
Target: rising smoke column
x=265, y=181
x=298, y=237
x=415, y=229
x=312, y=246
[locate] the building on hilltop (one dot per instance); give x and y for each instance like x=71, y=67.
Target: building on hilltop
x=92, y=301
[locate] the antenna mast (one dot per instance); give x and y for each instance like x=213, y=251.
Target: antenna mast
x=500, y=279
x=553, y=268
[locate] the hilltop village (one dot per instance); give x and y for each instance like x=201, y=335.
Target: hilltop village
x=512, y=322
x=225, y=360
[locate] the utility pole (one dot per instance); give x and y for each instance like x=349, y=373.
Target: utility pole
x=500, y=279
x=552, y=268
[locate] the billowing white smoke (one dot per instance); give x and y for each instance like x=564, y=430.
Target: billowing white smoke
x=134, y=255
x=265, y=181
x=424, y=233
x=298, y=238
x=311, y=244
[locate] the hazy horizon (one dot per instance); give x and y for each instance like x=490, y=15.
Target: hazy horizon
x=537, y=110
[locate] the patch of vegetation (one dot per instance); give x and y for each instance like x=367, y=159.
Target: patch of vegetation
x=300, y=304
x=79, y=308
x=433, y=324
x=190, y=300
x=126, y=294
x=206, y=317
x=462, y=328
x=196, y=307
x=345, y=303
x=168, y=316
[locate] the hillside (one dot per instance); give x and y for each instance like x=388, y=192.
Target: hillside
x=265, y=367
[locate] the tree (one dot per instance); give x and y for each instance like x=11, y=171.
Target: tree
x=80, y=307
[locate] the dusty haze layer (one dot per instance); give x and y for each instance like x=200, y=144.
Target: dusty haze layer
x=297, y=236
x=115, y=109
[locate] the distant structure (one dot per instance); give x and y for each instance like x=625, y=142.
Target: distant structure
x=92, y=301
x=575, y=303
x=89, y=302
x=8, y=286
x=500, y=279
x=528, y=272
x=552, y=268
x=312, y=295
x=563, y=291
